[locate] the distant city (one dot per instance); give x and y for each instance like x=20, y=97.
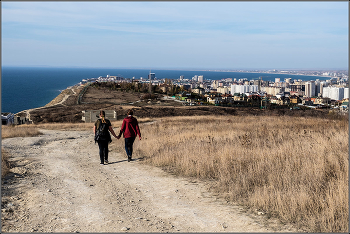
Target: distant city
x=294, y=93
x=331, y=73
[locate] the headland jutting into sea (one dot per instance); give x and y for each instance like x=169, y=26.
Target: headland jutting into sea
x=21, y=85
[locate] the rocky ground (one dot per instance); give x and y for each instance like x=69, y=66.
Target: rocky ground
x=58, y=185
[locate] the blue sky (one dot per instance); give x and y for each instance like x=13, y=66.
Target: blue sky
x=203, y=35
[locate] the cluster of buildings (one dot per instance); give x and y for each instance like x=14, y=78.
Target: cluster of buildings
x=107, y=78
x=8, y=118
x=317, y=93
x=333, y=92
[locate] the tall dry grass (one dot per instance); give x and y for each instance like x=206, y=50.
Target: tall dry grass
x=5, y=164
x=31, y=130
x=19, y=131
x=292, y=168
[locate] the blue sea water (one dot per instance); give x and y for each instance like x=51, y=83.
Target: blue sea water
x=24, y=88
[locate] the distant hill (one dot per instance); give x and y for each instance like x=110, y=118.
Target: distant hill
x=66, y=108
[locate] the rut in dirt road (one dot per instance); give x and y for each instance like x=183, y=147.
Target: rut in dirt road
x=59, y=186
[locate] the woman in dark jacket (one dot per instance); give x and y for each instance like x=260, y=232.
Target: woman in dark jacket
x=102, y=126
x=130, y=129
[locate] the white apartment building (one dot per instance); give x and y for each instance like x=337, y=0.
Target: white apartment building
x=244, y=88
x=223, y=90
x=200, y=78
x=346, y=92
x=334, y=93
x=310, y=89
x=272, y=90
x=215, y=84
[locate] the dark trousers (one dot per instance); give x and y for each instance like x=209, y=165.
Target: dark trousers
x=128, y=145
x=103, y=145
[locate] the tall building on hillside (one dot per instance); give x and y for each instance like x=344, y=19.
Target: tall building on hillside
x=182, y=77
x=322, y=85
x=195, y=78
x=200, y=78
x=310, y=89
x=346, y=92
x=215, y=84
x=151, y=76
x=317, y=87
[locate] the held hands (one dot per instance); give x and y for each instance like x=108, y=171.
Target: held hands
x=118, y=137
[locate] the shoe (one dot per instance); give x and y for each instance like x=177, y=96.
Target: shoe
x=102, y=164
x=106, y=161
x=129, y=159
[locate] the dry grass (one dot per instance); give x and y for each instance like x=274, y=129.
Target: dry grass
x=5, y=164
x=19, y=131
x=34, y=130
x=83, y=126
x=66, y=126
x=289, y=167
x=293, y=168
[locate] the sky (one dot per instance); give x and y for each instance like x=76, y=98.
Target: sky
x=176, y=35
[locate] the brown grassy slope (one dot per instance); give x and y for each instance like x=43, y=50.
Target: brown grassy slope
x=107, y=99
x=105, y=95
x=292, y=168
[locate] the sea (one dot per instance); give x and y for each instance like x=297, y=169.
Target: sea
x=24, y=88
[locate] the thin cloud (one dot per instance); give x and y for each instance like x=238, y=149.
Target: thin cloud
x=178, y=30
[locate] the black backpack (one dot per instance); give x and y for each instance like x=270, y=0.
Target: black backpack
x=102, y=133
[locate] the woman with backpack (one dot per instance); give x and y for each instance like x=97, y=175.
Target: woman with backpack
x=102, y=137
x=130, y=129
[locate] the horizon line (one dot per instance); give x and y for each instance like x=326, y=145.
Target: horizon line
x=179, y=68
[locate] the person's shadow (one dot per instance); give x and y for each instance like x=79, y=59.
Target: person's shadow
x=125, y=160
x=117, y=161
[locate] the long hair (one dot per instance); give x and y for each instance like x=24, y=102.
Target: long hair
x=103, y=114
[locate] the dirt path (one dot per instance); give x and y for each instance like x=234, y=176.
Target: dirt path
x=59, y=186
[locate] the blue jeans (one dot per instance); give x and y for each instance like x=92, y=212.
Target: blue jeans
x=128, y=145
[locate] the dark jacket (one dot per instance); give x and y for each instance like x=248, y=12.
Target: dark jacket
x=105, y=136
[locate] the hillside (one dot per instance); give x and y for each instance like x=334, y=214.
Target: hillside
x=68, y=106
x=225, y=173
x=57, y=185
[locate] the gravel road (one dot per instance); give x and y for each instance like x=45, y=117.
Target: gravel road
x=59, y=186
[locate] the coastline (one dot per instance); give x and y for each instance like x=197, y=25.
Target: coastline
x=60, y=99
x=24, y=88
x=292, y=74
